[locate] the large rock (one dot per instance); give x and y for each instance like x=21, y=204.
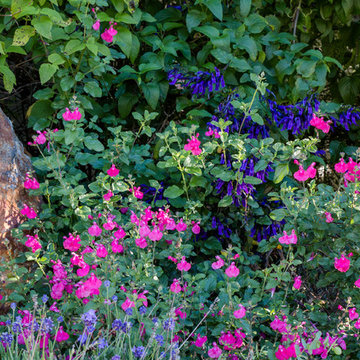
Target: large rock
x=14, y=164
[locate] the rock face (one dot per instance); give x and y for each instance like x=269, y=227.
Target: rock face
x=14, y=165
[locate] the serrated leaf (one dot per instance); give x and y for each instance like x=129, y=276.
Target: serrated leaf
x=22, y=35
x=46, y=72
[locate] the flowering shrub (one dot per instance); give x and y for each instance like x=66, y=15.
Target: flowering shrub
x=197, y=201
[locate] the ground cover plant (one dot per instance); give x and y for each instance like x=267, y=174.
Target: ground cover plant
x=198, y=165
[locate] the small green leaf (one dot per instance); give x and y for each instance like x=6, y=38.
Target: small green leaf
x=280, y=172
x=225, y=201
x=8, y=78
x=93, y=89
x=173, y=192
x=46, y=72
x=252, y=180
x=73, y=46
x=56, y=59
x=22, y=35
x=43, y=26
x=93, y=144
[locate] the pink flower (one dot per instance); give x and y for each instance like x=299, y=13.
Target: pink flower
x=113, y=171
x=200, y=341
x=342, y=264
x=155, y=234
x=209, y=132
x=193, y=145
x=96, y=25
x=175, y=286
x=183, y=265
x=320, y=124
x=357, y=324
x=196, y=228
x=116, y=247
x=218, y=264
x=288, y=239
x=357, y=283
x=181, y=226
x=137, y=193
x=239, y=314
x=127, y=304
x=72, y=243
x=171, y=225
x=141, y=243
x=61, y=335
x=353, y=314
x=303, y=175
x=33, y=243
x=94, y=230
x=144, y=230
x=232, y=270
x=341, y=166
x=297, y=282
x=29, y=212
x=108, y=195
x=174, y=260
x=90, y=287
x=180, y=313
x=101, y=251
x=71, y=115
x=120, y=233
x=214, y=352
x=31, y=183
x=279, y=325
x=329, y=218
x=108, y=34
x=54, y=308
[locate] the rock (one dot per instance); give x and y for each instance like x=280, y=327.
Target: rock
x=14, y=164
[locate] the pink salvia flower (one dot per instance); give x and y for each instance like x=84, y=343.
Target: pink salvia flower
x=155, y=234
x=113, y=171
x=214, y=352
x=141, y=243
x=137, y=193
x=183, y=265
x=108, y=195
x=33, y=243
x=288, y=239
x=61, y=335
x=353, y=314
x=200, y=341
x=209, y=132
x=96, y=25
x=127, y=304
x=94, y=230
x=218, y=264
x=341, y=166
x=116, y=247
x=31, y=183
x=303, y=175
x=342, y=264
x=329, y=218
x=120, y=233
x=175, y=286
x=67, y=115
x=320, y=124
x=297, y=282
x=72, y=243
x=181, y=226
x=29, y=212
x=174, y=260
x=240, y=313
x=232, y=270
x=196, y=228
x=193, y=145
x=357, y=283
x=101, y=251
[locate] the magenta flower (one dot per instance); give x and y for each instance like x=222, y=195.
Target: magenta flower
x=200, y=341
x=342, y=264
x=29, y=212
x=193, y=145
x=137, y=193
x=196, y=228
x=141, y=243
x=72, y=243
x=181, y=226
x=108, y=34
x=127, y=304
x=218, y=264
x=171, y=225
x=232, y=270
x=155, y=234
x=90, y=287
x=31, y=183
x=329, y=218
x=183, y=265
x=320, y=124
x=33, y=243
x=101, y=251
x=61, y=335
x=357, y=283
x=96, y=25
x=341, y=166
x=303, y=175
x=353, y=314
x=94, y=230
x=288, y=239
x=240, y=313
x=108, y=195
x=214, y=352
x=116, y=247
x=144, y=230
x=175, y=286
x=297, y=282
x=120, y=233
x=113, y=171
x=71, y=115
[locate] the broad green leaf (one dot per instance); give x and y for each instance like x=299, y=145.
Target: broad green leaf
x=221, y=55
x=306, y=67
x=22, y=35
x=278, y=214
x=210, y=31
x=173, y=192
x=225, y=201
x=8, y=78
x=74, y=45
x=126, y=103
x=135, y=48
x=249, y=44
x=43, y=26
x=245, y=6
x=240, y=65
x=92, y=45
x=93, y=89
x=93, y=144
x=215, y=6
x=118, y=5
x=194, y=18
x=281, y=171
x=46, y=72
x=56, y=59
x=124, y=39
x=151, y=93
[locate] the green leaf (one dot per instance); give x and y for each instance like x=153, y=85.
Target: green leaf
x=280, y=172
x=173, y=192
x=257, y=118
x=255, y=23
x=56, y=59
x=152, y=93
x=126, y=103
x=8, y=78
x=93, y=144
x=124, y=39
x=22, y=35
x=225, y=201
x=245, y=6
x=249, y=44
x=221, y=55
x=252, y=180
x=278, y=214
x=135, y=48
x=210, y=31
x=74, y=45
x=46, y=72
x=43, y=26
x=93, y=89
x=92, y=45
x=194, y=18
x=215, y=7
x=198, y=181
x=118, y=5
x=240, y=65
x=306, y=67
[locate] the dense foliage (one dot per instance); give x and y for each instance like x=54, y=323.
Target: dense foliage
x=188, y=158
